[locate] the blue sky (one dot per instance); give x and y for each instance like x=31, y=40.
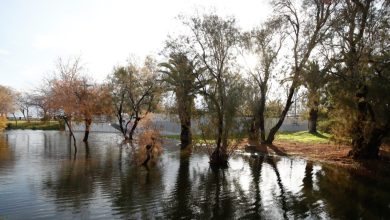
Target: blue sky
x=33, y=34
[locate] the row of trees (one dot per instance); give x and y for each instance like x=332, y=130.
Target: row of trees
x=336, y=51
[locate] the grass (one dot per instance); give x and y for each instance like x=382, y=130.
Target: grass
x=35, y=125
x=177, y=137
x=304, y=137
x=301, y=136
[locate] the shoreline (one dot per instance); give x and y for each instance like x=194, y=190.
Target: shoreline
x=328, y=154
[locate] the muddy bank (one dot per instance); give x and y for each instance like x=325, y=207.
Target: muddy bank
x=329, y=153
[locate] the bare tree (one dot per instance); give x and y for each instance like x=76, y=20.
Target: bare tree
x=24, y=104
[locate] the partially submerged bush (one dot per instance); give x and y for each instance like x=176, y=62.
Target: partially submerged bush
x=149, y=143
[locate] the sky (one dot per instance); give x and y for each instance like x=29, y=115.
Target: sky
x=104, y=33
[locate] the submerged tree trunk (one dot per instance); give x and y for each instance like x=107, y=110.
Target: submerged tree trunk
x=313, y=116
x=184, y=106
x=88, y=123
x=185, y=135
x=68, y=123
x=219, y=158
x=253, y=131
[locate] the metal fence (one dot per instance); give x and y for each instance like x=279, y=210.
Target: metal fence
x=169, y=125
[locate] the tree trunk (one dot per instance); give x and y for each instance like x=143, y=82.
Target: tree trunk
x=16, y=120
x=272, y=132
x=136, y=120
x=24, y=114
x=366, y=146
x=185, y=135
x=28, y=117
x=313, y=115
x=366, y=136
x=184, y=109
x=88, y=123
x=68, y=122
x=219, y=157
x=254, y=131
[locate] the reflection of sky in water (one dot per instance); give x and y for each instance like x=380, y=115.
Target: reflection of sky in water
x=40, y=177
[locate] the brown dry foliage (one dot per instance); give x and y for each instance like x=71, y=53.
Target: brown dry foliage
x=150, y=134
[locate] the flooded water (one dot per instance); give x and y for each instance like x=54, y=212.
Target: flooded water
x=42, y=178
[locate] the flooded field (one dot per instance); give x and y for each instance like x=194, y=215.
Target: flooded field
x=41, y=177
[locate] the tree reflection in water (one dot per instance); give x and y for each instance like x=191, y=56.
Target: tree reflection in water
x=7, y=155
x=101, y=181
x=179, y=204
x=255, y=209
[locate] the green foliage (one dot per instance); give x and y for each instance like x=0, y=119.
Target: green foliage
x=273, y=109
x=36, y=125
x=325, y=125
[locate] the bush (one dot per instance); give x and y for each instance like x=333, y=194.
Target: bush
x=325, y=125
x=3, y=123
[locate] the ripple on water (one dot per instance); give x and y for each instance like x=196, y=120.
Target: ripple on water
x=42, y=178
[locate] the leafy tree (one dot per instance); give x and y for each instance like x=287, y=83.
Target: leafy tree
x=74, y=97
x=135, y=93
x=180, y=75
x=7, y=100
x=314, y=80
x=265, y=43
x=361, y=84
x=213, y=40
x=307, y=24
x=62, y=89
x=7, y=104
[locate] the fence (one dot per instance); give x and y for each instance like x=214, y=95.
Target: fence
x=169, y=125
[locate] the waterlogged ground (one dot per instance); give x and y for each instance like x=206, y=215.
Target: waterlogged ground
x=42, y=178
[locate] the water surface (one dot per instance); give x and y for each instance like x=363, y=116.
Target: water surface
x=41, y=177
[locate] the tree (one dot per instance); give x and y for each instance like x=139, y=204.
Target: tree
x=314, y=80
x=7, y=100
x=63, y=87
x=265, y=43
x=24, y=103
x=361, y=84
x=180, y=75
x=135, y=93
x=307, y=25
x=7, y=104
x=75, y=97
x=213, y=40
x=40, y=100
x=93, y=100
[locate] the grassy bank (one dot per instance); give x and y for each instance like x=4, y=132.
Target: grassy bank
x=304, y=137
x=301, y=136
x=35, y=125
